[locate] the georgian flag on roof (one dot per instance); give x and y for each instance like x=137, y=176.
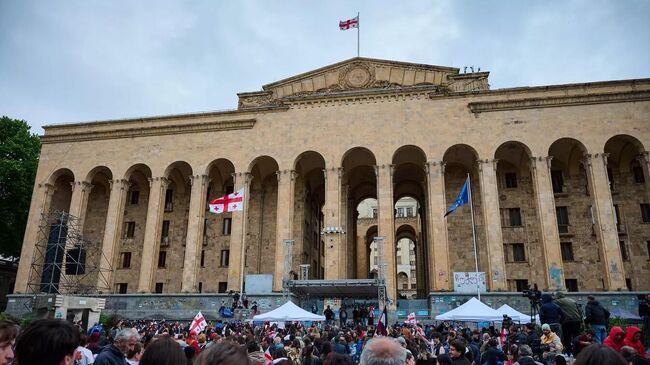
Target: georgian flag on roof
x=350, y=23
x=228, y=203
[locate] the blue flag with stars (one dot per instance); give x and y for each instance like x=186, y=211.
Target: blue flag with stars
x=461, y=199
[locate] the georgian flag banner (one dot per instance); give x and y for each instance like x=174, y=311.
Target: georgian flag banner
x=198, y=324
x=350, y=23
x=229, y=203
x=410, y=319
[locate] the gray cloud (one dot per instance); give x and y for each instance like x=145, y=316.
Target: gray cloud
x=66, y=61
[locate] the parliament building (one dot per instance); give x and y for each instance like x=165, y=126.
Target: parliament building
x=559, y=175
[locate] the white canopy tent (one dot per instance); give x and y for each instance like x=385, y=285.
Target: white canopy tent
x=516, y=316
x=288, y=312
x=471, y=311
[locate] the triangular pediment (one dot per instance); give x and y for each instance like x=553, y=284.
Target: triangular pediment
x=363, y=74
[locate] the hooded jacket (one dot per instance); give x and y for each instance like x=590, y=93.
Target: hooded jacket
x=569, y=308
x=549, y=312
x=596, y=314
x=610, y=342
x=629, y=340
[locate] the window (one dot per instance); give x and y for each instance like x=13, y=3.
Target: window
x=374, y=212
x=571, y=285
x=162, y=259
x=645, y=212
x=169, y=200
x=610, y=178
x=511, y=180
x=647, y=243
x=557, y=180
x=125, y=260
x=225, y=258
x=624, y=255
x=164, y=236
x=514, y=217
x=227, y=223
x=567, y=251
x=400, y=212
x=200, y=287
x=562, y=214
x=412, y=263
x=135, y=197
x=202, y=258
x=521, y=284
x=413, y=273
x=130, y=230
x=628, y=284
x=414, y=286
x=222, y=286
x=518, y=252
x=399, y=259
x=159, y=288
x=409, y=212
x=205, y=230
x=617, y=218
x=405, y=286
x=639, y=177
x=120, y=288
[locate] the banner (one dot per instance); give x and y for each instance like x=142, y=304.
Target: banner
x=465, y=282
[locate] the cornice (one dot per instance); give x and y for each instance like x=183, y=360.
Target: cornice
x=558, y=101
x=150, y=131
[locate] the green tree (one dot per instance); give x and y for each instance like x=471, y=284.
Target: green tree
x=19, y=150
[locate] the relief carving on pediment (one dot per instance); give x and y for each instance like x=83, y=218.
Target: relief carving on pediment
x=259, y=100
x=356, y=76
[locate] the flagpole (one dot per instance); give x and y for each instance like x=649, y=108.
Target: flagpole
x=471, y=209
x=243, y=238
x=358, y=31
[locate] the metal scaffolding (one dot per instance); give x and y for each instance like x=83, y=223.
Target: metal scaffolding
x=64, y=261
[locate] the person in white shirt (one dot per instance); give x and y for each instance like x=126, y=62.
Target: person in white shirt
x=85, y=356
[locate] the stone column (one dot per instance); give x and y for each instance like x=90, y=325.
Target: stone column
x=332, y=218
x=549, y=234
x=151, y=244
x=496, y=275
x=344, y=260
x=241, y=180
x=438, y=249
x=363, y=268
x=606, y=232
x=194, y=239
x=284, y=225
x=114, y=215
x=79, y=202
x=41, y=199
x=386, y=225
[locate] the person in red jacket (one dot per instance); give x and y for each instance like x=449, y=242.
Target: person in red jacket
x=615, y=338
x=633, y=339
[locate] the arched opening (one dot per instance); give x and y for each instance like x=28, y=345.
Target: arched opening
x=461, y=162
x=62, y=181
x=128, y=255
x=409, y=194
x=366, y=250
x=628, y=182
x=262, y=217
x=406, y=257
x=519, y=217
x=574, y=209
x=359, y=182
x=215, y=251
x=309, y=197
x=173, y=229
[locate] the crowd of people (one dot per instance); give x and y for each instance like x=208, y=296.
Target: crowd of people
x=557, y=341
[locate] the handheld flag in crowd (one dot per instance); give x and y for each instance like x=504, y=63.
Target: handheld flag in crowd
x=229, y=203
x=350, y=23
x=410, y=319
x=381, y=324
x=198, y=324
x=461, y=199
x=267, y=356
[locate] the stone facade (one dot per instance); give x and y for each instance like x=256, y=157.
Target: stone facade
x=547, y=165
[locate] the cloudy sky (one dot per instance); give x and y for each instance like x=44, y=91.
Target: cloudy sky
x=85, y=60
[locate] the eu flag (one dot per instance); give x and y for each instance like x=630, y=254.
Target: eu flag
x=461, y=199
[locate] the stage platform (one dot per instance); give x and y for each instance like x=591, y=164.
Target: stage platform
x=347, y=288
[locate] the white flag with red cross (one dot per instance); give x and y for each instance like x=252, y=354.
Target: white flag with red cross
x=410, y=318
x=198, y=324
x=228, y=203
x=350, y=23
